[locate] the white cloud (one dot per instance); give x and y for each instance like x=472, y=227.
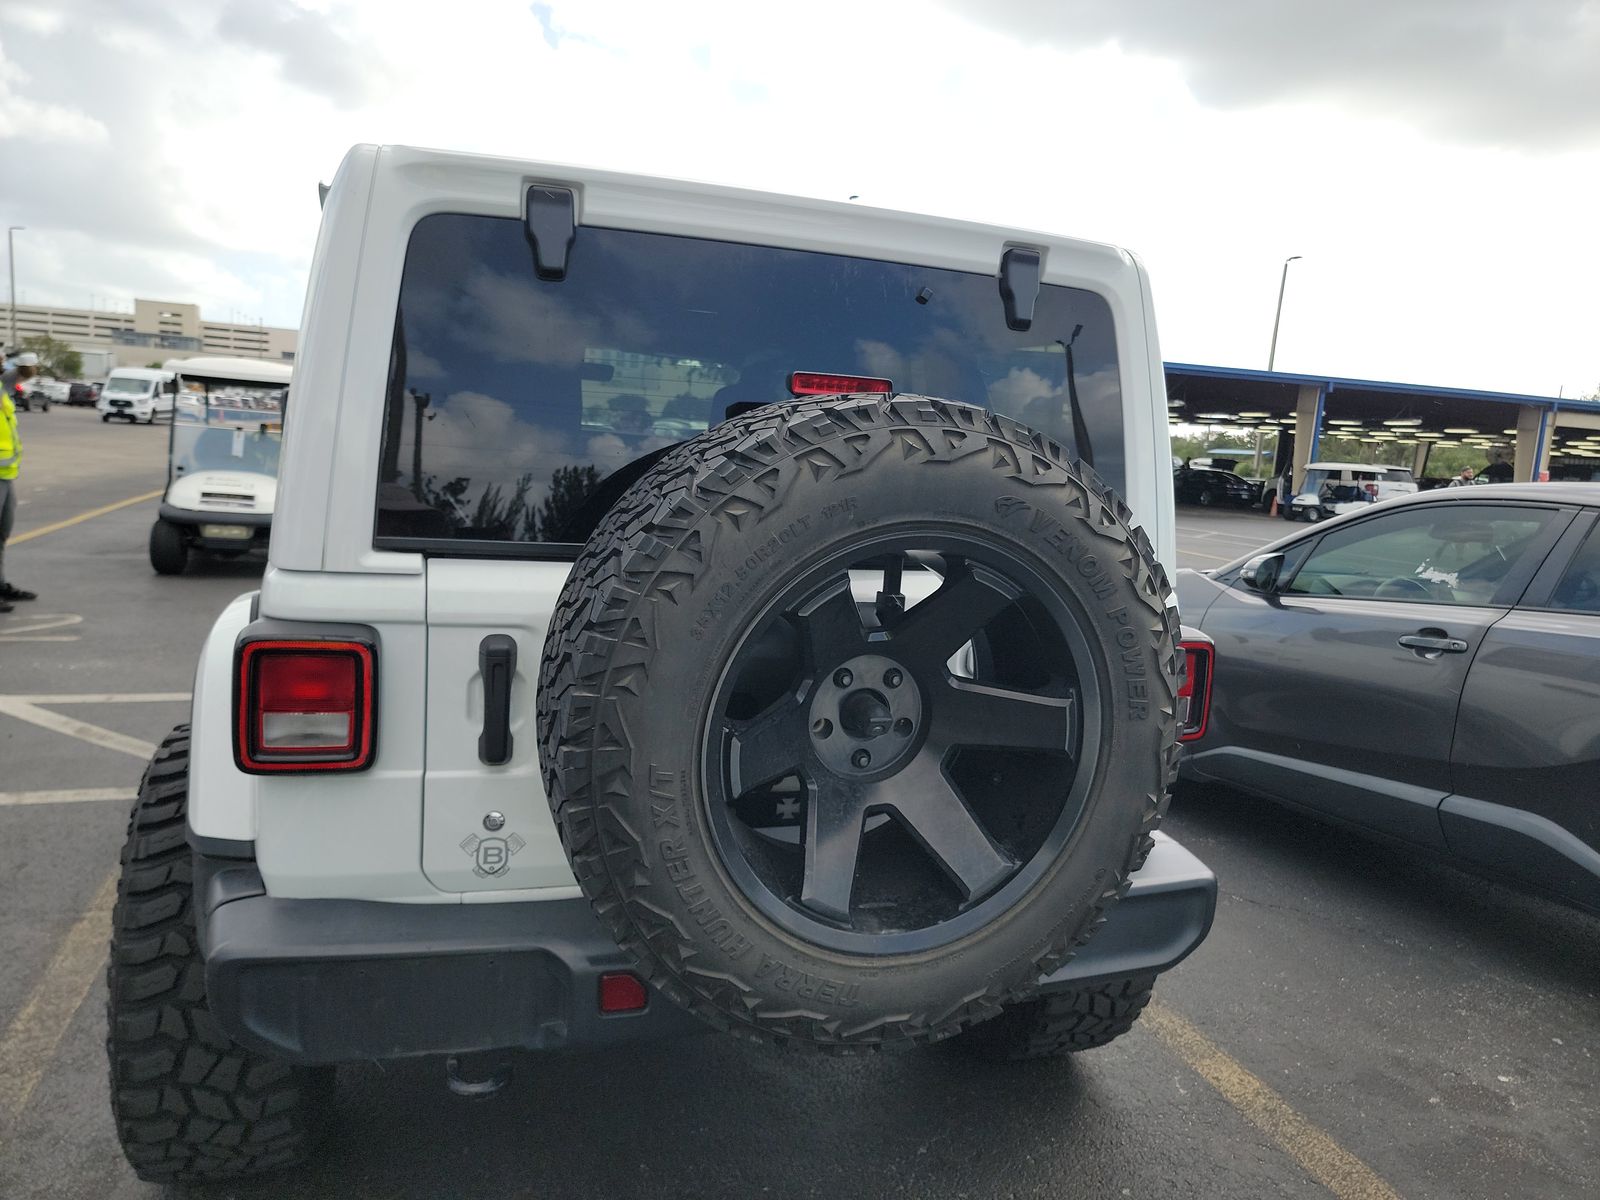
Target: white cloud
x=1429, y=254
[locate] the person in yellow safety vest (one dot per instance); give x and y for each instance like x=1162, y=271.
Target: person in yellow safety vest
x=19, y=370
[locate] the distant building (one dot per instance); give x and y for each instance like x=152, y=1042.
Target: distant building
x=155, y=331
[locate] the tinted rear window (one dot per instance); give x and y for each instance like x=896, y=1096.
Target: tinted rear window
x=518, y=409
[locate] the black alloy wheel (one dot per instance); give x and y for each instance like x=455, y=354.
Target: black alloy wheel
x=883, y=779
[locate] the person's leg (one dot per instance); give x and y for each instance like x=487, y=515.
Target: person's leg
x=8, y=516
x=8, y=507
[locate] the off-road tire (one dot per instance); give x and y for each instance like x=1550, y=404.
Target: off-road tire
x=649, y=614
x=189, y=1104
x=1061, y=1022
x=169, y=549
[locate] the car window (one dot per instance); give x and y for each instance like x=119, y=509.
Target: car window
x=518, y=409
x=1579, y=589
x=1431, y=554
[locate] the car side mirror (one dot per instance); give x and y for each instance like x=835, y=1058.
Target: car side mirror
x=1260, y=574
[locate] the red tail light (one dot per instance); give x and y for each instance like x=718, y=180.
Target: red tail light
x=621, y=992
x=1194, y=692
x=818, y=383
x=304, y=706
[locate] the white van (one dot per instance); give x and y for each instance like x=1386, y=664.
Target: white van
x=1332, y=488
x=136, y=394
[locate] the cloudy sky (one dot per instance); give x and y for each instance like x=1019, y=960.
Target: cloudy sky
x=1436, y=162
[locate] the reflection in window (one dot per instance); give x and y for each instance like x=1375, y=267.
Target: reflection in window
x=1429, y=554
x=1579, y=589
x=519, y=410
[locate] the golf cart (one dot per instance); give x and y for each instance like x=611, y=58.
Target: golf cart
x=222, y=461
x=1333, y=488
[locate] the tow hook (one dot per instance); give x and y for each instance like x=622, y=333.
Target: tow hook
x=478, y=1076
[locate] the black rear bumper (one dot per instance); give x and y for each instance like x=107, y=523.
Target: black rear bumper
x=326, y=981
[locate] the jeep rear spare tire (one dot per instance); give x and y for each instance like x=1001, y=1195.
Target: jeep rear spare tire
x=856, y=714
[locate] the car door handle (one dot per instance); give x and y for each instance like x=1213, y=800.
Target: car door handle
x=1437, y=645
x=497, y=663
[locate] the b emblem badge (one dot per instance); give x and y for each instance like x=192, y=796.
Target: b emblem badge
x=491, y=856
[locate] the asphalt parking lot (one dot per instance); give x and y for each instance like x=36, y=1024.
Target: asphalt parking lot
x=1360, y=1023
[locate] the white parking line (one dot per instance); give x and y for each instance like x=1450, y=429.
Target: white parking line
x=105, y=698
x=23, y=710
x=1218, y=535
x=65, y=796
x=32, y=628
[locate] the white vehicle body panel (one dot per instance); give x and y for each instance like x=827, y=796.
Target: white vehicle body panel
x=221, y=797
x=469, y=599
x=190, y=492
x=54, y=390
x=358, y=835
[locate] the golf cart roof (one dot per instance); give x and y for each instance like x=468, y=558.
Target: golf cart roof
x=235, y=370
x=1345, y=466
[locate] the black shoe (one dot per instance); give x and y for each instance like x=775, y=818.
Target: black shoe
x=11, y=591
x=5, y=608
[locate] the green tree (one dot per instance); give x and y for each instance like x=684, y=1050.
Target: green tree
x=557, y=518
x=56, y=358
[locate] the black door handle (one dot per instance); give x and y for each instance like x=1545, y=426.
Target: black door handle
x=497, y=663
x=1437, y=645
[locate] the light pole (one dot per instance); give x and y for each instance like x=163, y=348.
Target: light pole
x=1272, y=353
x=11, y=262
x=1283, y=280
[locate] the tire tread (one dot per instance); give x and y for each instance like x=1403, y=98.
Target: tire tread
x=189, y=1104
x=610, y=577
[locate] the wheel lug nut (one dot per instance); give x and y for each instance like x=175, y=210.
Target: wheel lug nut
x=843, y=678
x=903, y=726
x=821, y=727
x=861, y=759
x=892, y=678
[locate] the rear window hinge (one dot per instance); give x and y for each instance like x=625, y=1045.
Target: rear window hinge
x=551, y=224
x=1019, y=285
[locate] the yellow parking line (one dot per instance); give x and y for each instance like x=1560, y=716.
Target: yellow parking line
x=30, y=1041
x=1329, y=1163
x=93, y=512
x=65, y=796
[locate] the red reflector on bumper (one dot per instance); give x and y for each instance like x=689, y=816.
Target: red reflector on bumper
x=621, y=992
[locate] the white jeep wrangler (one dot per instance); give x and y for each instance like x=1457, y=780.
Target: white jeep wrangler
x=687, y=608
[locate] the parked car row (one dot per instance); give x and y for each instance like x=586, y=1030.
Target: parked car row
x=1423, y=669
x=41, y=392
